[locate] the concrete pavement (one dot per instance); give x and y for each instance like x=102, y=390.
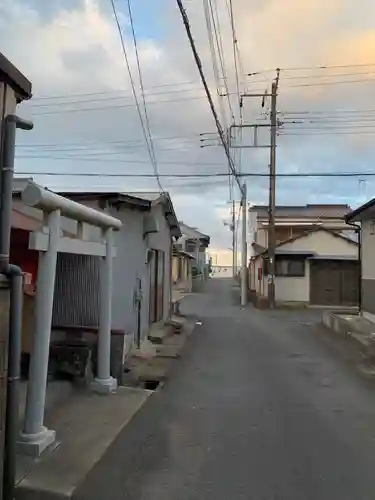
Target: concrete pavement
x=260, y=407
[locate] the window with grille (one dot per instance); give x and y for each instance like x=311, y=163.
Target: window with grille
x=190, y=246
x=290, y=267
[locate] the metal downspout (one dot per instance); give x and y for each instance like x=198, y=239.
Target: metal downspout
x=358, y=231
x=14, y=274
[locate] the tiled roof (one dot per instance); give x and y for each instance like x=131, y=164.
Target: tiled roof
x=191, y=232
x=308, y=211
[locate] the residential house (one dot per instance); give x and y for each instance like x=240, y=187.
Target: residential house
x=317, y=267
x=363, y=220
x=182, y=272
x=141, y=280
x=195, y=243
x=290, y=221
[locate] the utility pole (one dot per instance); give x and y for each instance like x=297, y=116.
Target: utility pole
x=244, y=248
x=272, y=197
x=234, y=256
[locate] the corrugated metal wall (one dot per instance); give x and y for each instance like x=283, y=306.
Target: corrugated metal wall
x=76, y=300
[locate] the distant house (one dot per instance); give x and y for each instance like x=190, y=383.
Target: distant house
x=142, y=269
x=363, y=220
x=182, y=273
x=291, y=221
x=317, y=267
x=195, y=243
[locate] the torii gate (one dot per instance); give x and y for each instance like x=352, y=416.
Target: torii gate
x=34, y=437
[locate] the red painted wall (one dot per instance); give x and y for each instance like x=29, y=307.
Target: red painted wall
x=20, y=254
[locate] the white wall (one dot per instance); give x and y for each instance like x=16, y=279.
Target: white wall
x=298, y=289
x=163, y=241
x=128, y=266
x=323, y=243
x=368, y=269
x=293, y=289
x=223, y=257
x=368, y=250
x=130, y=263
x=262, y=230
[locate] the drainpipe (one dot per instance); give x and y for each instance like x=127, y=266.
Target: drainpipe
x=358, y=231
x=14, y=275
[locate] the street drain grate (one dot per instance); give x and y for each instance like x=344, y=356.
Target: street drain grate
x=151, y=385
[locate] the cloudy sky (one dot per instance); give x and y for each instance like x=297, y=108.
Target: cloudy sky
x=85, y=120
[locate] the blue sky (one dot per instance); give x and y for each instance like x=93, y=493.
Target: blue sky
x=149, y=18
x=71, y=47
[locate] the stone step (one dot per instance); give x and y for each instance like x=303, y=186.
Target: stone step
x=160, y=331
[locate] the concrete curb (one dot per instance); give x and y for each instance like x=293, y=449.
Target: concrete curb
x=362, y=342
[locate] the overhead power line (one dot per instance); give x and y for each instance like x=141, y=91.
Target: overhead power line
x=131, y=149
x=213, y=28
x=110, y=160
x=323, y=84
x=198, y=63
x=325, y=126
x=146, y=117
x=114, y=142
x=332, y=66
x=215, y=66
x=329, y=119
x=328, y=112
x=235, y=50
x=362, y=132
x=220, y=50
x=329, y=75
x=145, y=128
x=113, y=91
x=312, y=68
x=118, y=106
x=188, y=176
x=106, y=99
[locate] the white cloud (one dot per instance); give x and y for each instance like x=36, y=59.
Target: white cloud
x=76, y=48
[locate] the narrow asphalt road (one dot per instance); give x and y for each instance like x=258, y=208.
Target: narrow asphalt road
x=258, y=408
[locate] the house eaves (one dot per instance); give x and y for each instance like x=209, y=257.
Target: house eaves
x=192, y=233
x=190, y=256
x=296, y=253
x=364, y=212
x=142, y=201
x=13, y=77
x=315, y=211
x=155, y=198
x=333, y=257
x=113, y=198
x=309, y=231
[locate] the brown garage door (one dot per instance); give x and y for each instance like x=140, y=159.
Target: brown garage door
x=334, y=282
